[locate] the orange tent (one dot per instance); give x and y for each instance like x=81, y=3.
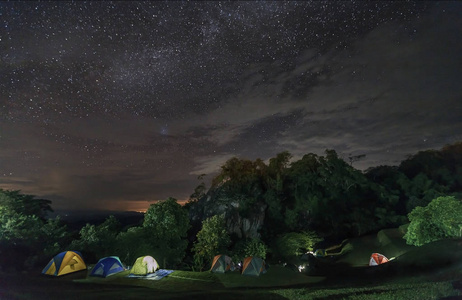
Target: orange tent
x=253, y=266
x=377, y=259
x=222, y=264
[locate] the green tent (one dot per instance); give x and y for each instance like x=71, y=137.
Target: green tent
x=222, y=264
x=144, y=265
x=320, y=253
x=253, y=266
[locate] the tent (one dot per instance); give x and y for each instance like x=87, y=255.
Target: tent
x=64, y=263
x=221, y=264
x=107, y=266
x=377, y=259
x=253, y=266
x=144, y=265
x=320, y=253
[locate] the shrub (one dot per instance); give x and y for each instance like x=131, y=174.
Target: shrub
x=296, y=243
x=212, y=239
x=249, y=247
x=440, y=219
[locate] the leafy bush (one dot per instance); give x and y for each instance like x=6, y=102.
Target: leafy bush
x=26, y=236
x=166, y=224
x=249, y=247
x=97, y=241
x=134, y=243
x=212, y=239
x=440, y=219
x=296, y=243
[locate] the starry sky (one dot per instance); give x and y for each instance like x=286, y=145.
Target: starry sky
x=114, y=105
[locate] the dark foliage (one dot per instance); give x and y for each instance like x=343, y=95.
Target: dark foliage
x=328, y=195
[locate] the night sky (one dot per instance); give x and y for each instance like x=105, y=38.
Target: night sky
x=113, y=105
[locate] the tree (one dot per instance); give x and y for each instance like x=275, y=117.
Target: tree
x=241, y=180
x=440, y=219
x=324, y=191
x=18, y=228
x=167, y=224
x=134, y=243
x=25, y=233
x=53, y=237
x=294, y=244
x=390, y=181
x=249, y=247
x=24, y=204
x=21, y=217
x=212, y=239
x=276, y=170
x=420, y=190
x=199, y=193
x=98, y=241
x=355, y=158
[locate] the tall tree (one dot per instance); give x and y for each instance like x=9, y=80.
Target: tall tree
x=276, y=170
x=25, y=233
x=97, y=241
x=167, y=223
x=212, y=239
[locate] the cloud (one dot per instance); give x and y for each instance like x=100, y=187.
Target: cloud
x=93, y=163
x=261, y=97
x=377, y=97
x=385, y=95
x=210, y=164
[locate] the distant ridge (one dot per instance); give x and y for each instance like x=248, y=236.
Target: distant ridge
x=76, y=219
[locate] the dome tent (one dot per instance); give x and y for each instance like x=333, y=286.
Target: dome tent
x=64, y=263
x=253, y=266
x=221, y=264
x=377, y=259
x=107, y=266
x=144, y=265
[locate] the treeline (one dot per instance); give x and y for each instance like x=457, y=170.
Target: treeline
x=302, y=201
x=330, y=196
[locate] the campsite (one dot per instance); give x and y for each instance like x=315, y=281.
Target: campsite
x=231, y=150
x=260, y=231
x=433, y=271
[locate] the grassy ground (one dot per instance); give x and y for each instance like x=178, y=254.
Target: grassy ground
x=407, y=291
x=433, y=271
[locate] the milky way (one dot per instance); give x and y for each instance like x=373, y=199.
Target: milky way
x=113, y=105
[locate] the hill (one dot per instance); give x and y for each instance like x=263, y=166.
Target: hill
x=75, y=220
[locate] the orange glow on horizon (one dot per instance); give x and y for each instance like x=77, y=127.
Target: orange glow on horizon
x=142, y=206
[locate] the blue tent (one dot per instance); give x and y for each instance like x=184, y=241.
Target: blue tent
x=320, y=253
x=107, y=266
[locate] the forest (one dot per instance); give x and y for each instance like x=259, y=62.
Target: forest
x=276, y=210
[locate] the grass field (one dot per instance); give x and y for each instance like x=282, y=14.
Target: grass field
x=433, y=271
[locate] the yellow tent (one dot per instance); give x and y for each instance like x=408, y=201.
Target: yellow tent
x=144, y=265
x=64, y=263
